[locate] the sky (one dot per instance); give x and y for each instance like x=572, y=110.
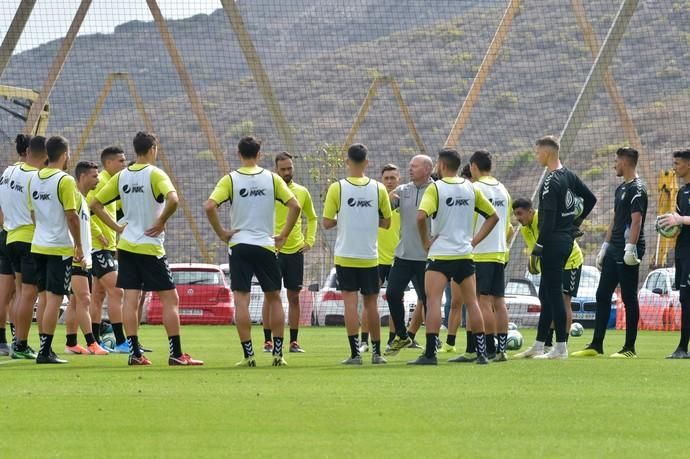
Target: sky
x=51, y=19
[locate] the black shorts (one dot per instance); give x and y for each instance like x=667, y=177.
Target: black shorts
x=682, y=273
x=384, y=272
x=79, y=271
x=5, y=263
x=248, y=260
x=491, y=278
x=23, y=261
x=457, y=270
x=292, y=270
x=143, y=272
x=571, y=281
x=364, y=280
x=53, y=273
x=104, y=262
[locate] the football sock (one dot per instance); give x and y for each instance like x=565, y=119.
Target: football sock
x=3, y=336
x=71, y=339
x=175, y=345
x=277, y=346
x=431, y=339
x=450, y=340
x=267, y=334
x=90, y=339
x=247, y=349
x=391, y=337
x=502, y=342
x=411, y=335
x=376, y=347
x=119, y=333
x=293, y=334
x=490, y=343
x=133, y=342
x=471, y=343
x=480, y=339
x=354, y=345
x=46, y=343
x=364, y=337
x=96, y=330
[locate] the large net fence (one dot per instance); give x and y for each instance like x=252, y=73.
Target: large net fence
x=308, y=77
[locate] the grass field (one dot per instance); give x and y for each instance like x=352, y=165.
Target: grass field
x=97, y=406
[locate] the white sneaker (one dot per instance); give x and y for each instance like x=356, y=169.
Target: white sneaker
x=557, y=353
x=547, y=349
x=364, y=347
x=530, y=352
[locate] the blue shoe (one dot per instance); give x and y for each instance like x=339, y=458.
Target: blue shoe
x=120, y=349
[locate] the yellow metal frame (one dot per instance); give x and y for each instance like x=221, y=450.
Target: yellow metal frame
x=668, y=190
x=404, y=109
x=12, y=92
x=162, y=156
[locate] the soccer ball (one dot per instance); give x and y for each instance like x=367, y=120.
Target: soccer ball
x=514, y=340
x=576, y=329
x=512, y=326
x=666, y=231
x=108, y=340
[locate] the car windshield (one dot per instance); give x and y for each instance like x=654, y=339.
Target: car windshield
x=197, y=277
x=518, y=288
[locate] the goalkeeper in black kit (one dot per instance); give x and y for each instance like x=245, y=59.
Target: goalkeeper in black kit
x=564, y=202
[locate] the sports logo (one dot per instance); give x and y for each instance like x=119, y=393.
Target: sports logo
x=40, y=196
x=352, y=202
x=248, y=193
x=133, y=189
x=16, y=187
x=450, y=202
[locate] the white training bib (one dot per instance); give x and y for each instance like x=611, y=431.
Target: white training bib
x=14, y=198
x=453, y=223
x=139, y=205
x=498, y=196
x=358, y=221
x=252, y=208
x=51, y=223
x=85, y=231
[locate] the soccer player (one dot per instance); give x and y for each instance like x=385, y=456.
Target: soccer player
x=451, y=203
x=409, y=263
x=7, y=288
x=57, y=239
x=252, y=193
x=490, y=257
x=358, y=206
x=77, y=313
x=387, y=241
x=528, y=217
x=619, y=257
x=291, y=255
x=20, y=232
x=148, y=200
x=104, y=243
x=681, y=165
x=557, y=225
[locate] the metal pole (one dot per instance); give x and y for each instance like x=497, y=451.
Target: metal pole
x=362, y=112
x=14, y=32
x=596, y=73
x=259, y=73
x=56, y=68
x=408, y=117
x=188, y=85
x=483, y=73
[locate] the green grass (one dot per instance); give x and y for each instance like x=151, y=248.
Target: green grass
x=318, y=408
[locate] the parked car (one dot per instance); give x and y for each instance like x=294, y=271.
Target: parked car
x=522, y=302
x=204, y=293
x=329, y=308
x=584, y=305
x=659, y=300
x=256, y=301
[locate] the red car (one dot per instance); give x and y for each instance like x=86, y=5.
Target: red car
x=204, y=293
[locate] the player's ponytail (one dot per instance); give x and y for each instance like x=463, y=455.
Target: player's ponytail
x=22, y=143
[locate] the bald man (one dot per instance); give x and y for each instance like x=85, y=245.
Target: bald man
x=409, y=263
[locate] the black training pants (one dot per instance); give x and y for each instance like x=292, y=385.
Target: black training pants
x=554, y=257
x=402, y=272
